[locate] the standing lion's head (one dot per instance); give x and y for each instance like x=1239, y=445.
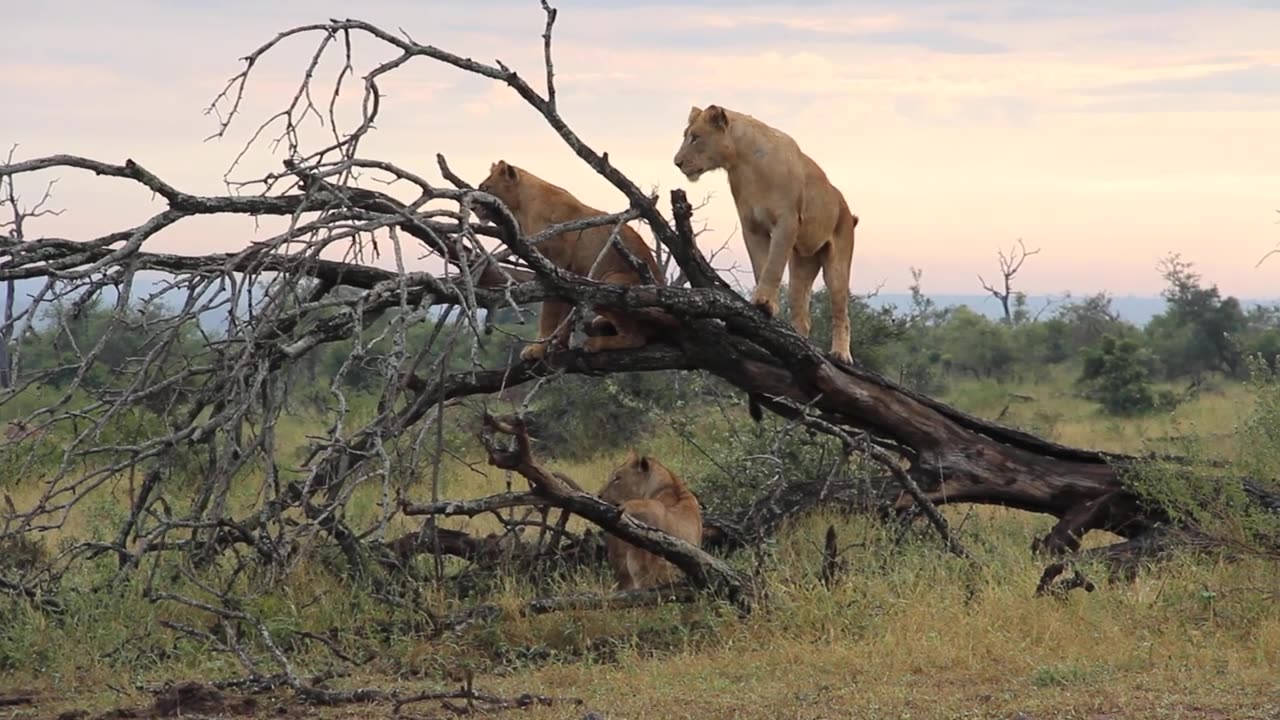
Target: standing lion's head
x=706, y=145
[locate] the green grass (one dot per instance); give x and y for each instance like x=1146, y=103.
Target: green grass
x=906, y=631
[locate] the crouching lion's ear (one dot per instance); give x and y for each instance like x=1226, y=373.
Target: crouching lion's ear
x=505, y=169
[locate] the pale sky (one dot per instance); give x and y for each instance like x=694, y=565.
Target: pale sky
x=1105, y=133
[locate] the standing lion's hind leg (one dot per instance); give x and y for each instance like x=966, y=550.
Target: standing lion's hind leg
x=803, y=271
x=836, y=265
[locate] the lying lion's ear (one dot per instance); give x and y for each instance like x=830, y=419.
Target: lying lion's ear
x=717, y=118
x=509, y=171
x=694, y=112
x=644, y=464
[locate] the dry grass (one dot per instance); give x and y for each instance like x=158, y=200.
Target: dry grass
x=1056, y=412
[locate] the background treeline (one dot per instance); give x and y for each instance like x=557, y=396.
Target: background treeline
x=1126, y=369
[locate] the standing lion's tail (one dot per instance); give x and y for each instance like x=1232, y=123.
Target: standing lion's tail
x=753, y=407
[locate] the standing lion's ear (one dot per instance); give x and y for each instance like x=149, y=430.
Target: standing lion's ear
x=694, y=112
x=717, y=118
x=644, y=464
x=510, y=171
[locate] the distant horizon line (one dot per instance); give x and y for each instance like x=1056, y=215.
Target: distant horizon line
x=1134, y=308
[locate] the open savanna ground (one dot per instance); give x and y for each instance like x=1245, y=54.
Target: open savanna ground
x=905, y=630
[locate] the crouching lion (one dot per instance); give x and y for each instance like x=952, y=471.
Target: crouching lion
x=537, y=205
x=648, y=491
x=790, y=212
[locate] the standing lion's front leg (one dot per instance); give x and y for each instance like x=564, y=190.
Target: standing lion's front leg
x=782, y=242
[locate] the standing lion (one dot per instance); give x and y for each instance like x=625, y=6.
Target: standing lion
x=790, y=212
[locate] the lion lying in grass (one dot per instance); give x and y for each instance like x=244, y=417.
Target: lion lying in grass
x=648, y=491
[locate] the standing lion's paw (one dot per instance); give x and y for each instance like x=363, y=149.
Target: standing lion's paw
x=591, y=345
x=767, y=305
x=842, y=355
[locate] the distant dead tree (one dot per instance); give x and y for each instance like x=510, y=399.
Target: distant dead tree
x=1009, y=266
x=14, y=227
x=1273, y=251
x=310, y=285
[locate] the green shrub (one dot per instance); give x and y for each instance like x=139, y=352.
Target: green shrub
x=1211, y=497
x=1117, y=374
x=575, y=416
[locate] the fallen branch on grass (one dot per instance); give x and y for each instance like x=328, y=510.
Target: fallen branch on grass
x=481, y=703
x=16, y=700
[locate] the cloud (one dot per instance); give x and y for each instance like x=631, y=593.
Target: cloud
x=57, y=76
x=763, y=32
x=991, y=111
x=1252, y=80
x=1039, y=11
x=496, y=98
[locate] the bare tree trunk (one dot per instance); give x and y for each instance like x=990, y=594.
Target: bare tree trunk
x=6, y=335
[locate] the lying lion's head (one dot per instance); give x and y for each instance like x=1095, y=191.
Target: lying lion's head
x=640, y=476
x=706, y=145
x=503, y=183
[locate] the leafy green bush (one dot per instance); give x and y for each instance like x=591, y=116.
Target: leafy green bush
x=974, y=345
x=577, y=416
x=1210, y=497
x=871, y=330
x=1199, y=330
x=736, y=464
x=1117, y=374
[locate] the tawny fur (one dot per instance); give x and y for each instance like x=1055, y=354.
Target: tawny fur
x=538, y=204
x=791, y=214
x=648, y=491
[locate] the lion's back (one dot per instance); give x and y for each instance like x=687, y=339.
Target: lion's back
x=822, y=202
x=591, y=242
